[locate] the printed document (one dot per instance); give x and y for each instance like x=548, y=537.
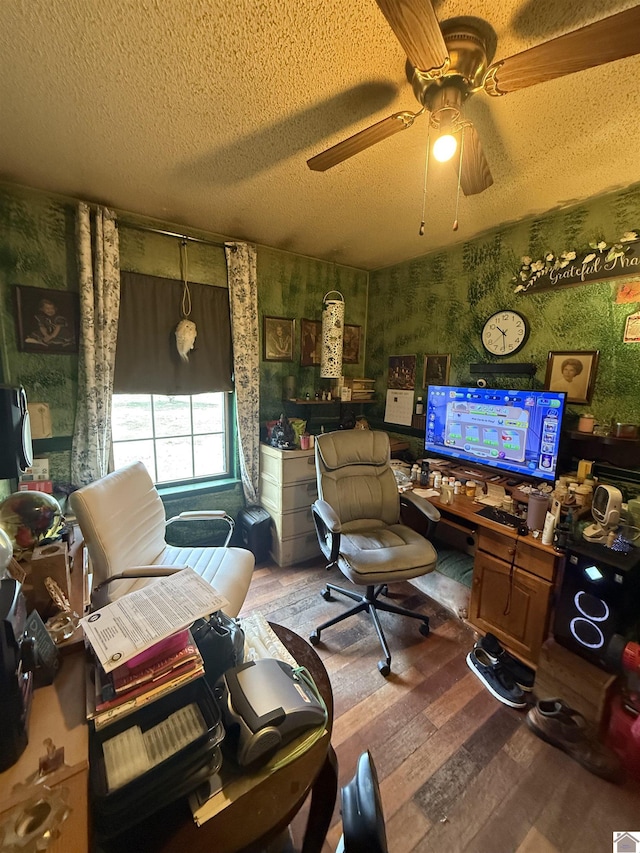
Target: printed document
x=139, y=620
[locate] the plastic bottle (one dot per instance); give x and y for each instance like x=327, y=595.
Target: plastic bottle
x=415, y=473
x=419, y=406
x=437, y=480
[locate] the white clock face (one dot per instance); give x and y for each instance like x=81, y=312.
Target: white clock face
x=504, y=333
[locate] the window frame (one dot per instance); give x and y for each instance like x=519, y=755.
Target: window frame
x=206, y=481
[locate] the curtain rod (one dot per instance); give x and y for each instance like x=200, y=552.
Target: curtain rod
x=151, y=230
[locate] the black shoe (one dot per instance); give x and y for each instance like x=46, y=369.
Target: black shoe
x=495, y=678
x=522, y=675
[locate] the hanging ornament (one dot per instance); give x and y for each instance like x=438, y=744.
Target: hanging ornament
x=186, y=331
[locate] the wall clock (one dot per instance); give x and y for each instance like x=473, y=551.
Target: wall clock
x=504, y=333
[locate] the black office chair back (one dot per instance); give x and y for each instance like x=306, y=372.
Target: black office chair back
x=363, y=829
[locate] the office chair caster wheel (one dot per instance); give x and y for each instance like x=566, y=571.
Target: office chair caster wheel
x=384, y=590
x=424, y=629
x=314, y=638
x=384, y=668
x=326, y=594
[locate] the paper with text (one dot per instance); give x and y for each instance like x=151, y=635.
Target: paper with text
x=133, y=623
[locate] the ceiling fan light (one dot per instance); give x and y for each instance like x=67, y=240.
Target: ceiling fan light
x=444, y=147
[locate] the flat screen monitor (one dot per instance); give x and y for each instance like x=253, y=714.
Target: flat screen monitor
x=517, y=432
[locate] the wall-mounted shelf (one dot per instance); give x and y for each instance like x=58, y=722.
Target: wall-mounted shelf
x=624, y=452
x=492, y=368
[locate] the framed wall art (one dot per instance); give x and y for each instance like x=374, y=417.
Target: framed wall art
x=277, y=338
x=47, y=321
x=436, y=370
x=351, y=344
x=574, y=373
x=310, y=342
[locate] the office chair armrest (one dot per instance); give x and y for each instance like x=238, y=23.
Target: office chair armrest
x=328, y=528
x=327, y=515
x=206, y=515
x=140, y=572
x=423, y=506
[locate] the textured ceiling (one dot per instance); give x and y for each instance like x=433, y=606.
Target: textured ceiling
x=204, y=112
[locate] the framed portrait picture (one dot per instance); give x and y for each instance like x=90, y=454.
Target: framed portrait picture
x=310, y=342
x=277, y=338
x=47, y=321
x=402, y=372
x=351, y=344
x=436, y=370
x=572, y=372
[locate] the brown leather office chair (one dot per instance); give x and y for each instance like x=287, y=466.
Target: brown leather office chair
x=357, y=519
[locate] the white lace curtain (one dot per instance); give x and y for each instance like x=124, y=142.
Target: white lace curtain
x=243, y=300
x=99, y=274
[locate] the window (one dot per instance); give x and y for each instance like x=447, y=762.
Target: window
x=178, y=437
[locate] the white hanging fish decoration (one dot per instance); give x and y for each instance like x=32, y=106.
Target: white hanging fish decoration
x=186, y=333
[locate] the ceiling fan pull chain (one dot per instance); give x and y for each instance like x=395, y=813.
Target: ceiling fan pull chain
x=424, y=188
x=455, y=223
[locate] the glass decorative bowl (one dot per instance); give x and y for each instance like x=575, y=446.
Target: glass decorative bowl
x=30, y=519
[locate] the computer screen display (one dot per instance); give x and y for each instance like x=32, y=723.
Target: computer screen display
x=513, y=431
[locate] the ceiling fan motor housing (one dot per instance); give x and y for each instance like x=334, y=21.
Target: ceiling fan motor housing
x=446, y=91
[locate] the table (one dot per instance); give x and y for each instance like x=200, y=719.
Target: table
x=256, y=818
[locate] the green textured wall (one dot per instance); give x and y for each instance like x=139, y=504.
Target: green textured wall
x=294, y=286
x=445, y=297
x=37, y=248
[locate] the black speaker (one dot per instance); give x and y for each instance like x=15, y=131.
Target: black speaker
x=16, y=452
x=599, y=597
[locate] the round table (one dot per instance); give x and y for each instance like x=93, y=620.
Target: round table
x=265, y=810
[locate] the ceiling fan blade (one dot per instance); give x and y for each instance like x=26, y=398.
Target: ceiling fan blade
x=417, y=29
x=596, y=44
x=475, y=176
x=361, y=140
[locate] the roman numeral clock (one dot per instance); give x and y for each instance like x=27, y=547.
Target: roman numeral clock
x=504, y=333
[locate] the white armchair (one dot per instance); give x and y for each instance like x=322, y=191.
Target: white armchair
x=123, y=522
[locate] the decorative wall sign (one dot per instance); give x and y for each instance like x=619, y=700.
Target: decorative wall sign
x=600, y=262
x=47, y=321
x=632, y=329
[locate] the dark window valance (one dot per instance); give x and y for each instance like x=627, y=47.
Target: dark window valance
x=147, y=360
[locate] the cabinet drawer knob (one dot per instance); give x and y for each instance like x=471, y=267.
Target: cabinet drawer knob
x=511, y=552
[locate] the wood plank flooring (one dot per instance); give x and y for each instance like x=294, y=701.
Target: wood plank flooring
x=459, y=771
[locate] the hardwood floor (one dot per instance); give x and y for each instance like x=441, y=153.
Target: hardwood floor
x=458, y=770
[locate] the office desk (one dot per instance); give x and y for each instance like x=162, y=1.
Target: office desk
x=513, y=576
x=249, y=823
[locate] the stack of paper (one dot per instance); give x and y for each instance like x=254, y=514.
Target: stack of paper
x=142, y=647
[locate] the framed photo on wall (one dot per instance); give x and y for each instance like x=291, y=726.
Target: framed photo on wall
x=47, y=321
x=277, y=338
x=351, y=344
x=310, y=342
x=572, y=372
x=436, y=370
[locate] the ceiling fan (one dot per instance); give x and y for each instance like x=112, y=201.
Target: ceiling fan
x=448, y=63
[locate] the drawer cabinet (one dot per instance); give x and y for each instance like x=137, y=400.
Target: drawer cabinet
x=511, y=592
x=287, y=490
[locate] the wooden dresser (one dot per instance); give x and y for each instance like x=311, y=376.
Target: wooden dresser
x=287, y=490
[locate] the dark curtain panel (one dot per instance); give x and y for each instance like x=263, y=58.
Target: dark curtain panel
x=147, y=361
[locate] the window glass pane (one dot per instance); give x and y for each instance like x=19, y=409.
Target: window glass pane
x=172, y=415
x=209, y=454
x=175, y=461
x=208, y=412
x=131, y=416
x=131, y=451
